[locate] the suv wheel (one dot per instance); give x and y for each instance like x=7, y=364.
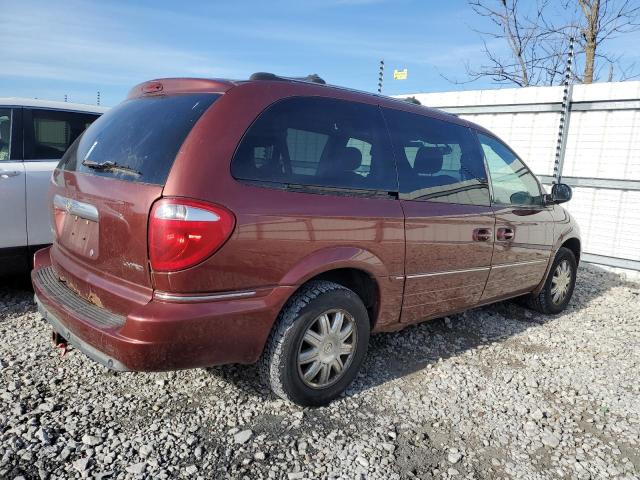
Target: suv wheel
x=558, y=287
x=317, y=345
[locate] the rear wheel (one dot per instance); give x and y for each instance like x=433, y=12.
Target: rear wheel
x=559, y=285
x=317, y=345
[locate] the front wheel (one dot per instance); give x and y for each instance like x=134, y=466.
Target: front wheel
x=317, y=345
x=558, y=287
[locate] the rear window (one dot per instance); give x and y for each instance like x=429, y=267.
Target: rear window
x=139, y=139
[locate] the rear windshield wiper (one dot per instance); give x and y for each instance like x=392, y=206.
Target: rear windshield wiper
x=109, y=165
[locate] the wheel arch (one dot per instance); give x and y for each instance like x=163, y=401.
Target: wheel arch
x=573, y=244
x=354, y=268
x=358, y=281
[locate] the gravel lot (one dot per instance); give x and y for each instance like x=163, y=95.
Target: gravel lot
x=498, y=392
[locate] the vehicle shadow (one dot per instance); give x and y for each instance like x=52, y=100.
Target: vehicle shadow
x=403, y=353
x=17, y=283
x=16, y=296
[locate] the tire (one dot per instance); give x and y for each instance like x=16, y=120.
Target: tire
x=548, y=301
x=308, y=335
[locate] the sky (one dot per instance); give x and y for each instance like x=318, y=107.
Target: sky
x=49, y=49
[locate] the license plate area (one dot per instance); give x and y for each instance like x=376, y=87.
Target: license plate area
x=77, y=226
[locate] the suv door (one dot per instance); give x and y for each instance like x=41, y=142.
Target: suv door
x=47, y=135
x=524, y=226
x=12, y=186
x=448, y=218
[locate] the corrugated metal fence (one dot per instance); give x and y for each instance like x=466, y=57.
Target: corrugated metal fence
x=601, y=159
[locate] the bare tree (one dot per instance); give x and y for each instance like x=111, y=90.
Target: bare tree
x=603, y=20
x=528, y=44
x=522, y=35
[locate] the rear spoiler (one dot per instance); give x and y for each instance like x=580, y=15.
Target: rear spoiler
x=166, y=86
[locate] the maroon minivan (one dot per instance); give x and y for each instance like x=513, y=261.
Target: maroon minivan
x=283, y=221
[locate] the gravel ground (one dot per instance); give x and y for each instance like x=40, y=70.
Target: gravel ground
x=497, y=392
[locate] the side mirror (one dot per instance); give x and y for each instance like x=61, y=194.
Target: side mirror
x=560, y=193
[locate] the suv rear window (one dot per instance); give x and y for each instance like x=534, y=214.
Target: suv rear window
x=139, y=139
x=314, y=141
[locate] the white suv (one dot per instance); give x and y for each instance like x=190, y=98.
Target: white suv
x=34, y=135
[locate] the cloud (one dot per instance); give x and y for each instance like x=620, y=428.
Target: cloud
x=110, y=46
x=84, y=46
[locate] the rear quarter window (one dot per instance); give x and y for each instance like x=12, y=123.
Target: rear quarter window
x=140, y=137
x=316, y=141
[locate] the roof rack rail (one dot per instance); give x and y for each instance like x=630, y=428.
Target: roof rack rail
x=413, y=100
x=313, y=78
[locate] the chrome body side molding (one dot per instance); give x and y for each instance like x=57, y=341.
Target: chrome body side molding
x=171, y=297
x=477, y=269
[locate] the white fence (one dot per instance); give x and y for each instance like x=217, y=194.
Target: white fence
x=601, y=159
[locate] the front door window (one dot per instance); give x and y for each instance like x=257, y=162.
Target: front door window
x=512, y=182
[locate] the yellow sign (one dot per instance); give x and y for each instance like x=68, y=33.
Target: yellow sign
x=400, y=74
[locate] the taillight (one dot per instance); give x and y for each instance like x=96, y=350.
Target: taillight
x=185, y=232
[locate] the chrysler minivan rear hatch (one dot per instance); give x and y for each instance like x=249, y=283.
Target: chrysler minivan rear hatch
x=106, y=183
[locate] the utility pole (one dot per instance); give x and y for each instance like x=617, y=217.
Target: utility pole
x=381, y=76
x=565, y=115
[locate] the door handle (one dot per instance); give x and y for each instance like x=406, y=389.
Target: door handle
x=4, y=174
x=482, y=235
x=505, y=234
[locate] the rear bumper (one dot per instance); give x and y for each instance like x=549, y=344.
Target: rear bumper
x=86, y=348
x=162, y=335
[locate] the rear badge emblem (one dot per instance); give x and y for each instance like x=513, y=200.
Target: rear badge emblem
x=133, y=266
